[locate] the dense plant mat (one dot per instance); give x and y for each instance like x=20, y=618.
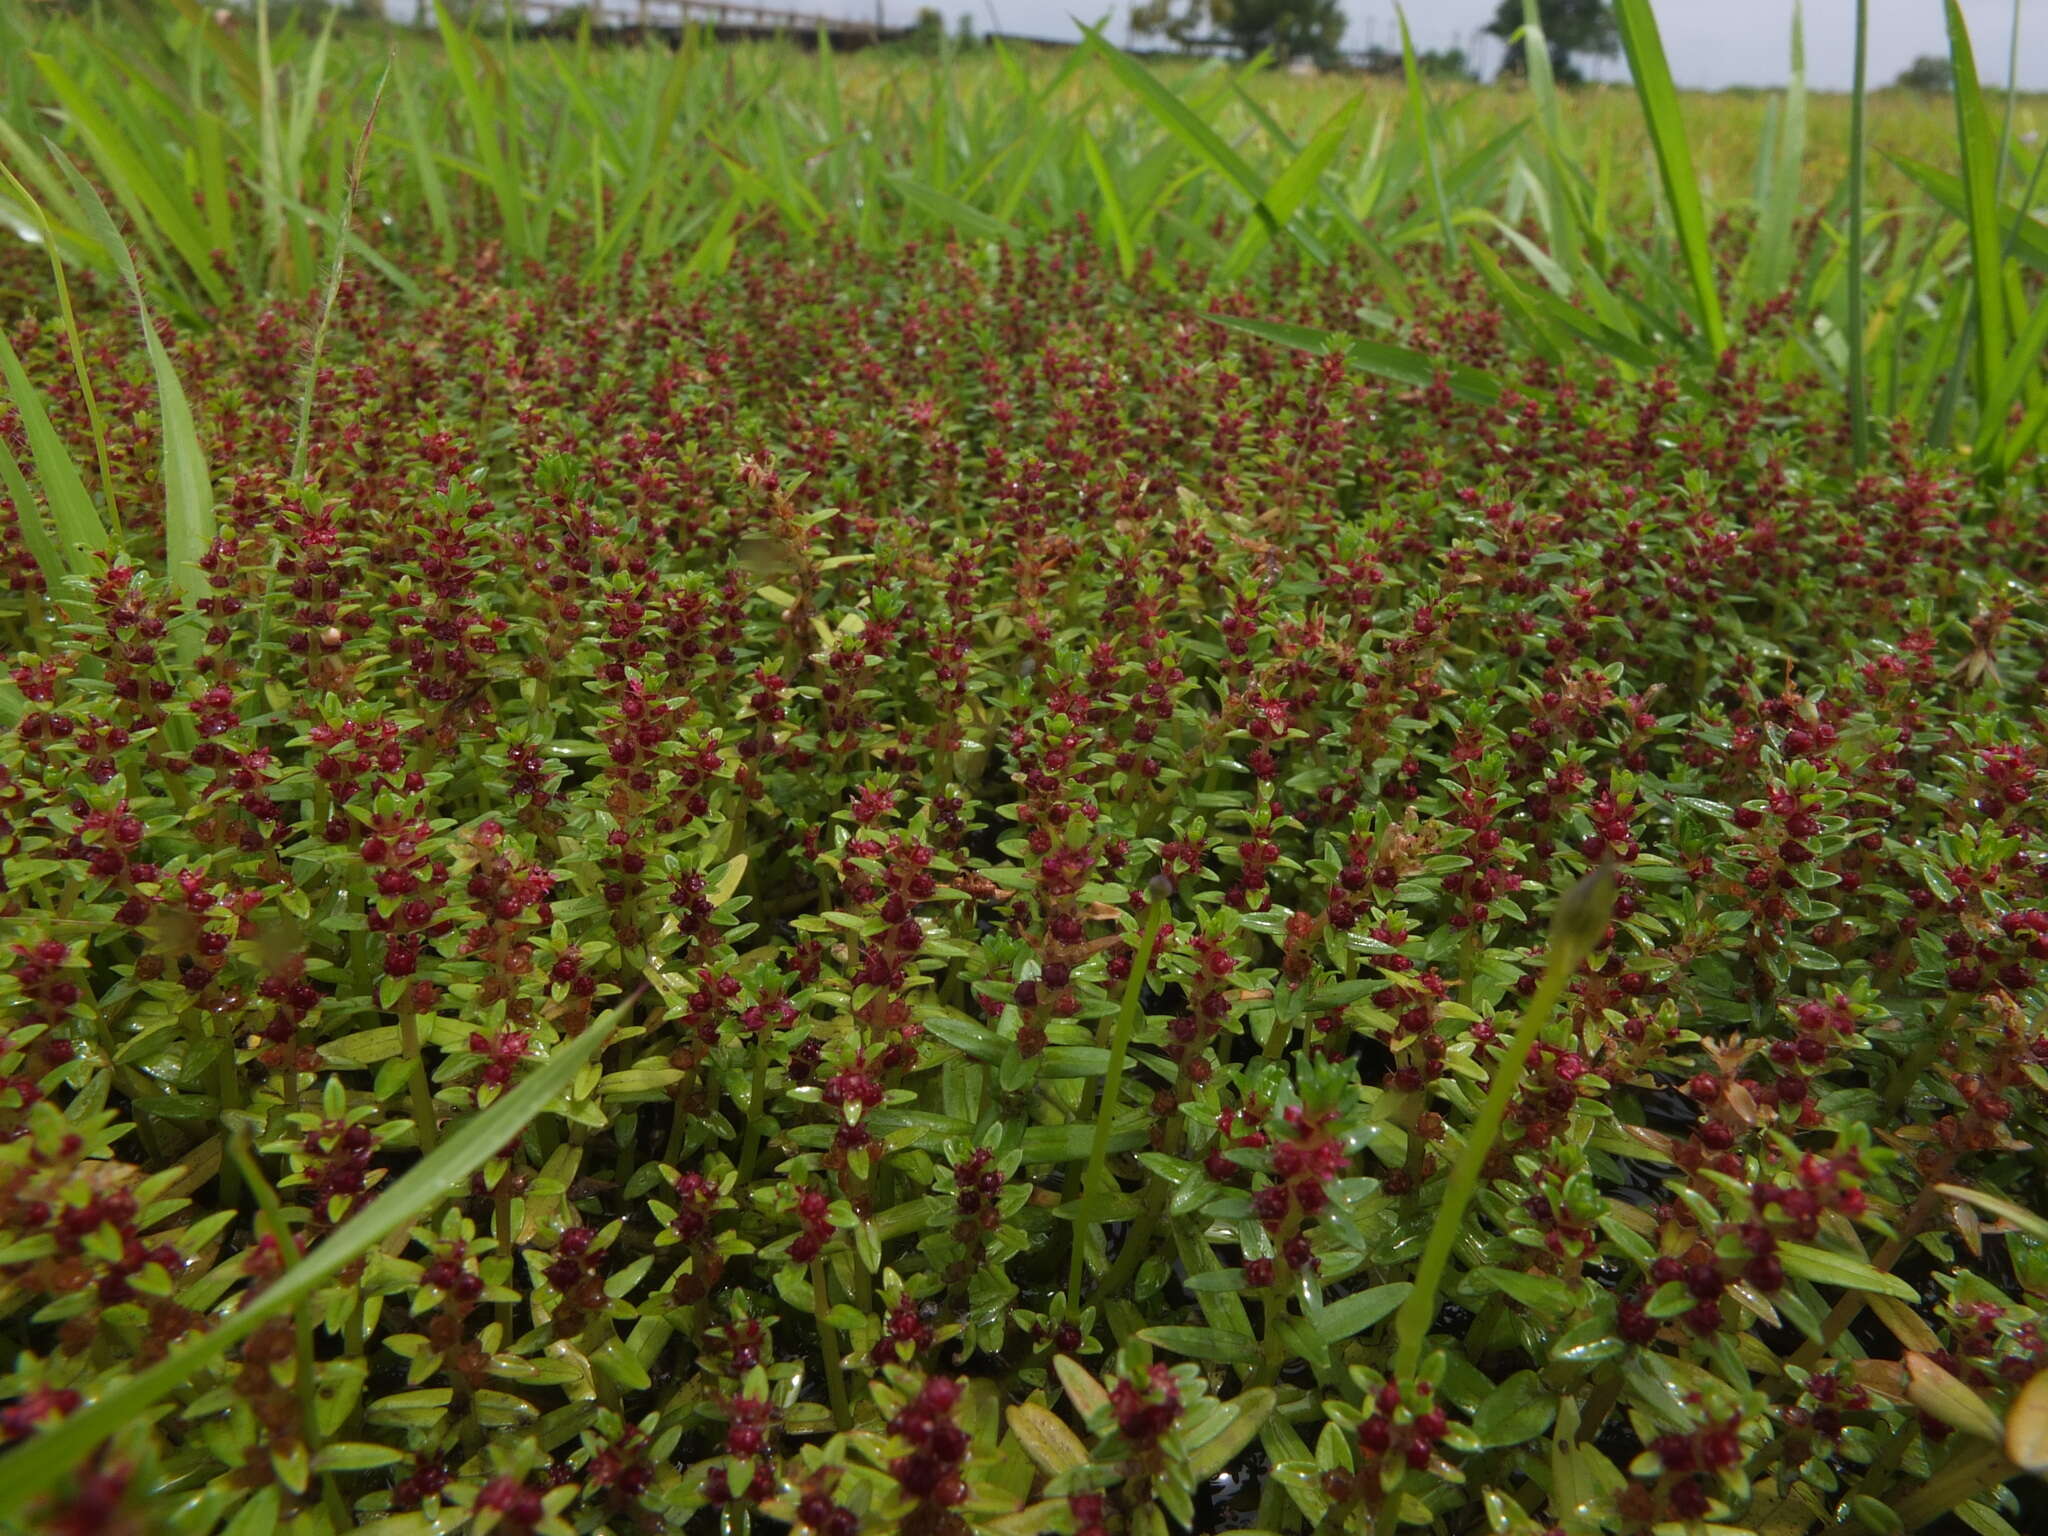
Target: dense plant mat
x=1004, y=830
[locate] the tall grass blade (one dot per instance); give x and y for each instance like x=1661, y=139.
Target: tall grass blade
x=1419, y=115
x=1112, y=206
x=36, y=1466
x=188, y=487
x=270, y=151
x=1979, y=167
x=1401, y=365
x=150, y=196
x=1303, y=176
x=343, y=217
x=1565, y=237
x=2012, y=96
x=2025, y=236
x=77, y=343
x=479, y=99
x=432, y=190
x=31, y=520
x=1181, y=121
x=1771, y=261
x=1659, y=98
x=80, y=536
x=1859, y=404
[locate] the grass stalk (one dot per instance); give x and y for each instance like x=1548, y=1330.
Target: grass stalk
x=1859, y=423
x=343, y=217
x=1574, y=934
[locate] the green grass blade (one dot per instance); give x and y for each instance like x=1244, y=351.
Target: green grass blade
x=1180, y=120
x=152, y=199
x=2024, y=236
x=1659, y=100
x=1112, y=206
x=1565, y=237
x=1296, y=184
x=432, y=190
x=1771, y=264
x=479, y=99
x=1979, y=167
x=1420, y=117
x=30, y=518
x=80, y=536
x=270, y=154
x=2025, y=360
x=2019, y=442
x=76, y=340
x=1401, y=365
x=1560, y=319
x=343, y=216
x=188, y=486
x=964, y=218
x=39, y=1464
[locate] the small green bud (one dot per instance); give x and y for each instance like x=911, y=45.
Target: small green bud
x=1582, y=916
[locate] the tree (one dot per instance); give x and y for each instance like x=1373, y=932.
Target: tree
x=1292, y=29
x=1570, y=27
x=1444, y=64
x=1927, y=73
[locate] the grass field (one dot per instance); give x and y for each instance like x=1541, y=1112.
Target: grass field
x=1013, y=793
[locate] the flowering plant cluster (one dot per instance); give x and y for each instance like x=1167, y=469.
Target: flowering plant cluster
x=1038, y=822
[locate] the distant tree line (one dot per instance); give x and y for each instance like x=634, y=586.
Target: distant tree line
x=1314, y=30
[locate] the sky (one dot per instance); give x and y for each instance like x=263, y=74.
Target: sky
x=1710, y=43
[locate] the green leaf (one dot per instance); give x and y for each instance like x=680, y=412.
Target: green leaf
x=1046, y=1438
x=1942, y=1396
x=2026, y=1425
x=188, y=486
x=1402, y=365
x=1770, y=254
x=81, y=539
x=1979, y=167
x=962, y=218
x=1246, y=1415
x=356, y=1456
x=1083, y=1390
x=1285, y=197
x=1357, y=1312
x=1181, y=121
x=1826, y=1268
x=1515, y=1412
x=1659, y=99
x=41, y=1462
x=1204, y=1344
x=1073, y=1141
x=2018, y=1215
x=1545, y=1293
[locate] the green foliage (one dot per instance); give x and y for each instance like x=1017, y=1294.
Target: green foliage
x=1928, y=74
x=1286, y=29
x=988, y=793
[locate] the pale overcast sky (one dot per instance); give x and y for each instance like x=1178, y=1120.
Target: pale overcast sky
x=1710, y=43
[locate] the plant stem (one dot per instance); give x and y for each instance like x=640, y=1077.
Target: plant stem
x=1573, y=935
x=828, y=1344
x=422, y=1094
x=1900, y=1088
x=758, y=1093
x=1975, y=1467
x=1844, y=1311
x=1859, y=429
x=1095, y=1181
